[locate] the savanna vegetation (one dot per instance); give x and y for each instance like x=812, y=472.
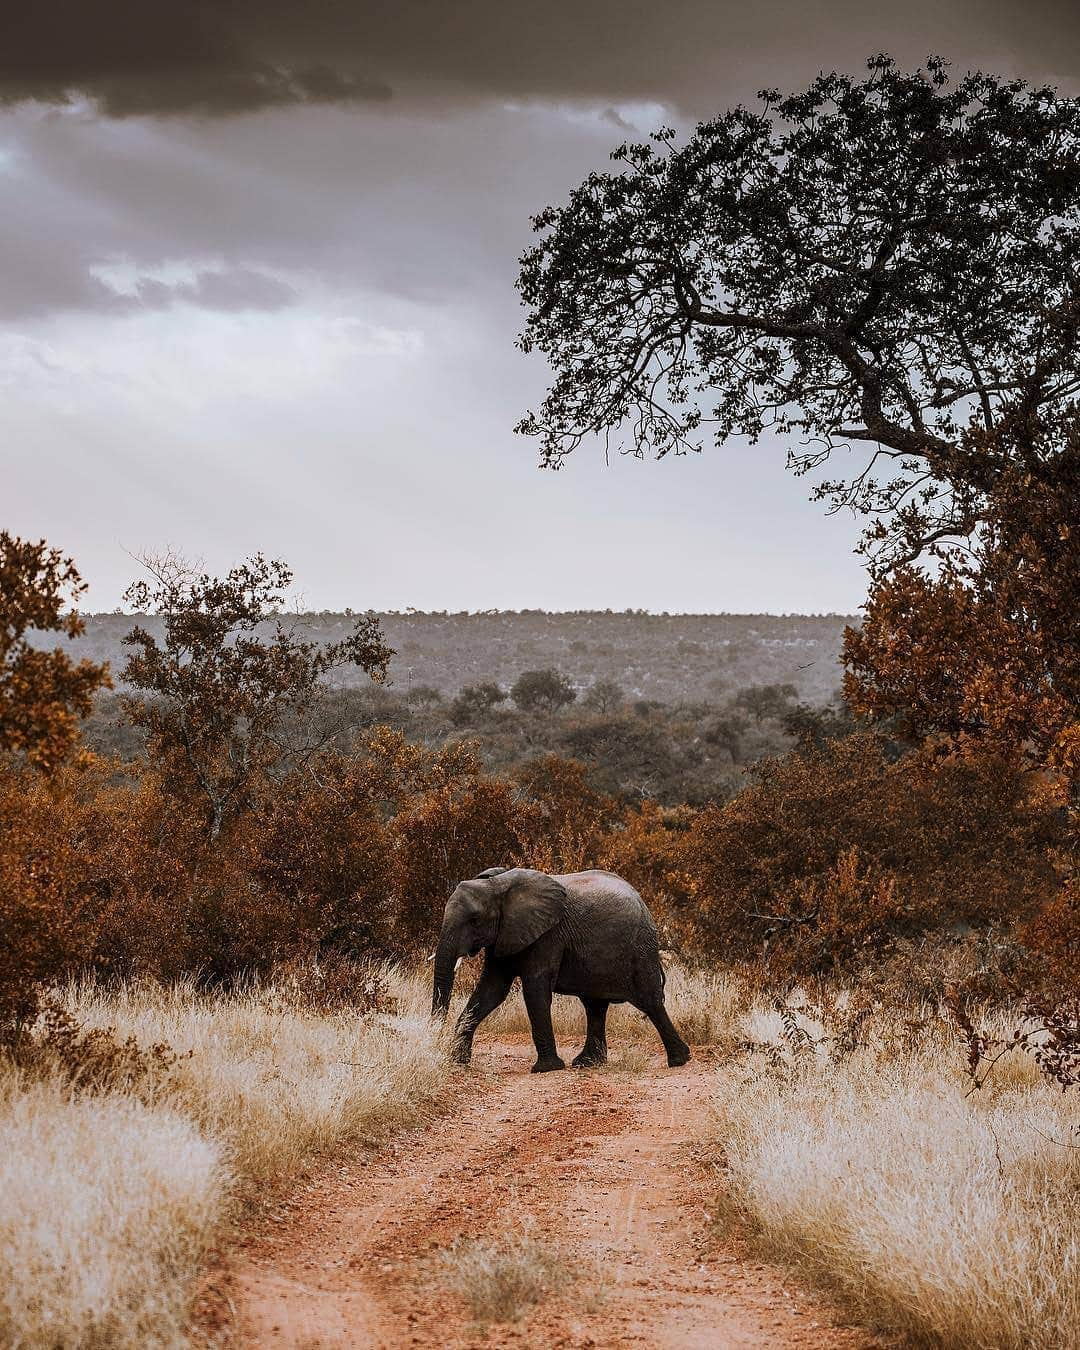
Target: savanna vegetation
x=881, y=924
x=669, y=707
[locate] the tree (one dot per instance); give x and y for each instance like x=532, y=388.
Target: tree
x=815, y=726
x=227, y=705
x=542, y=691
x=766, y=700
x=726, y=732
x=43, y=693
x=625, y=754
x=890, y=261
x=989, y=647
x=604, y=697
x=474, y=701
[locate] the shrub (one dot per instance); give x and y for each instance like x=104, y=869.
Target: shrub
x=1052, y=936
x=500, y=1278
x=649, y=850
x=542, y=691
x=565, y=831
x=442, y=836
x=834, y=852
x=45, y=898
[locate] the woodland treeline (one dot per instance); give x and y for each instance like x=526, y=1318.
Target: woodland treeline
x=761, y=682
x=636, y=749
x=671, y=658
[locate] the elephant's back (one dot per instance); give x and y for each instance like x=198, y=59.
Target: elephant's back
x=597, y=890
x=609, y=902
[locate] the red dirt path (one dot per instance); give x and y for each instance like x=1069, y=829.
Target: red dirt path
x=600, y=1163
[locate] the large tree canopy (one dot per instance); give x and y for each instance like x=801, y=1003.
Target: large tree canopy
x=891, y=260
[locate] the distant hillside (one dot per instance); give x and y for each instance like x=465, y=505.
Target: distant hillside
x=651, y=656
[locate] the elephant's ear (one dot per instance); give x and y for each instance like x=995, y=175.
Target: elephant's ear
x=532, y=903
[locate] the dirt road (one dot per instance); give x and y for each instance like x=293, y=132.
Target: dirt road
x=598, y=1163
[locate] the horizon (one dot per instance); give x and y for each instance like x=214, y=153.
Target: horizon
x=413, y=612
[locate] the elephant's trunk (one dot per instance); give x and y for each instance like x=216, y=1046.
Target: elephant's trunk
x=446, y=956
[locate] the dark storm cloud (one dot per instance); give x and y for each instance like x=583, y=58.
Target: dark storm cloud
x=134, y=56
x=430, y=209
x=229, y=56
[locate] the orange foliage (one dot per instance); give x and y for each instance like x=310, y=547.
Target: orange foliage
x=649, y=849
x=1053, y=939
x=991, y=647
x=564, y=831
x=444, y=835
x=43, y=694
x=42, y=913
x=835, y=852
x=830, y=856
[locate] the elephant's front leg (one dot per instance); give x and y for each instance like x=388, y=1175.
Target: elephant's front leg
x=537, y=991
x=491, y=988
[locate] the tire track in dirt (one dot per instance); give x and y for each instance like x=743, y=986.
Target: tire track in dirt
x=599, y=1163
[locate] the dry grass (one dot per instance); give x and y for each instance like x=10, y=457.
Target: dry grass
x=950, y=1218
x=110, y=1201
x=273, y=1082
x=703, y=1005
x=633, y=1057
x=499, y=1279
x=107, y=1209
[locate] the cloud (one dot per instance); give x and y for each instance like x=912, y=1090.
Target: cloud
x=295, y=203
x=212, y=58
x=227, y=290
x=133, y=57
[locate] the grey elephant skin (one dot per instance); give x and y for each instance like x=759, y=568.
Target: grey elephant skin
x=588, y=934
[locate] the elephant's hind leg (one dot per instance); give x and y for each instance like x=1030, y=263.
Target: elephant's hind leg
x=678, y=1052
x=594, y=1051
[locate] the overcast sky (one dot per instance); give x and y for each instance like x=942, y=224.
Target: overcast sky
x=257, y=288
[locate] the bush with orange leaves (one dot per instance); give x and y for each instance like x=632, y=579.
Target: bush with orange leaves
x=43, y=692
x=649, y=849
x=95, y=873
x=43, y=899
x=565, y=820
x=1052, y=937
x=835, y=852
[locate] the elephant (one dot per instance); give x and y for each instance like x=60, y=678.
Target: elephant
x=583, y=933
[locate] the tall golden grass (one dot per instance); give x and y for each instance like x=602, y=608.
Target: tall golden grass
x=110, y=1201
x=703, y=1005
x=107, y=1207
x=947, y=1216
